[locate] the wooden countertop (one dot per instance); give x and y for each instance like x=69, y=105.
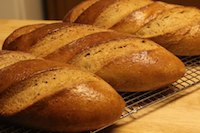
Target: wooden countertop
x=180, y=114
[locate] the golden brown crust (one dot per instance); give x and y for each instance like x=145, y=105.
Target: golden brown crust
x=35, y=97
x=89, y=16
x=74, y=109
x=69, y=51
x=21, y=31
x=62, y=37
x=137, y=19
x=104, y=49
x=74, y=13
x=143, y=71
x=23, y=70
x=131, y=64
x=24, y=42
x=183, y=42
x=111, y=13
x=176, y=30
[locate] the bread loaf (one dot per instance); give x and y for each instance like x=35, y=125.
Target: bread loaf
x=177, y=29
x=81, y=8
x=53, y=96
x=21, y=31
x=172, y=26
x=139, y=18
x=101, y=12
x=127, y=63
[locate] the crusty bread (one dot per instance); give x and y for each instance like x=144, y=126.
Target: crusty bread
x=131, y=64
x=56, y=97
x=158, y=21
x=139, y=18
x=36, y=41
x=25, y=41
x=14, y=73
x=21, y=31
x=169, y=21
x=176, y=29
x=184, y=42
x=80, y=8
x=95, y=50
x=68, y=52
x=93, y=11
x=58, y=39
x=9, y=58
x=101, y=13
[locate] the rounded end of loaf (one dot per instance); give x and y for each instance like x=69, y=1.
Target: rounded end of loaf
x=183, y=42
x=55, y=97
x=76, y=11
x=21, y=31
x=144, y=71
x=83, y=107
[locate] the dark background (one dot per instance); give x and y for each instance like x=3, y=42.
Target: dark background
x=56, y=9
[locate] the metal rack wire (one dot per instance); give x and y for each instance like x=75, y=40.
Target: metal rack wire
x=137, y=101
x=140, y=100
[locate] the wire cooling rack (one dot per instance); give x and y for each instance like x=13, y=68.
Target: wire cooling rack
x=139, y=100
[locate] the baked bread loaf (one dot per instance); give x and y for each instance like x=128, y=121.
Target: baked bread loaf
x=177, y=28
x=53, y=96
x=127, y=63
x=21, y=31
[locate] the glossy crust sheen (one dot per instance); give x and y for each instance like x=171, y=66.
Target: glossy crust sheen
x=81, y=105
x=21, y=31
x=119, y=76
x=182, y=44
x=19, y=71
x=151, y=71
x=69, y=51
x=181, y=38
x=24, y=42
x=89, y=16
x=137, y=19
x=100, y=13
x=74, y=13
x=74, y=109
